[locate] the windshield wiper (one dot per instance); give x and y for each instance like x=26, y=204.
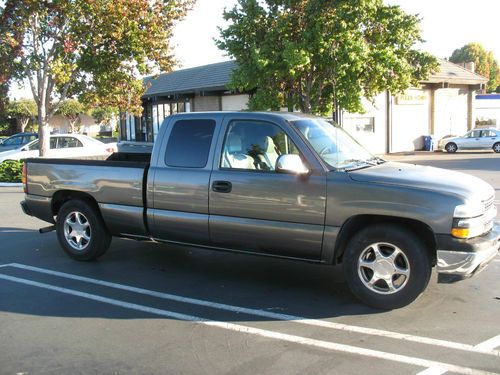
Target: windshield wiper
x=376, y=160
x=357, y=163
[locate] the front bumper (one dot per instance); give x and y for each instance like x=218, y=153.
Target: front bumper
x=460, y=259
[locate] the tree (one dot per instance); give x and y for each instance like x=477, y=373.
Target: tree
x=71, y=109
x=97, y=48
x=23, y=111
x=104, y=115
x=308, y=54
x=485, y=63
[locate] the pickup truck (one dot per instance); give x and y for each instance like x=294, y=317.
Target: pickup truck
x=275, y=184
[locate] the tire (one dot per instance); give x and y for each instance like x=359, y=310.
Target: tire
x=451, y=148
x=411, y=267
x=81, y=231
x=496, y=147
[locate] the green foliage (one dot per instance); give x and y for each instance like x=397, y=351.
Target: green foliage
x=104, y=114
x=485, y=63
x=71, y=108
x=23, y=110
x=306, y=54
x=11, y=171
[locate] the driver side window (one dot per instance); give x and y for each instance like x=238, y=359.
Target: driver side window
x=254, y=145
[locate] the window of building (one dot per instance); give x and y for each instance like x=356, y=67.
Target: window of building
x=255, y=145
x=359, y=124
x=189, y=143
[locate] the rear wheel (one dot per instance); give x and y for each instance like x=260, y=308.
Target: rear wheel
x=386, y=266
x=451, y=148
x=496, y=147
x=81, y=231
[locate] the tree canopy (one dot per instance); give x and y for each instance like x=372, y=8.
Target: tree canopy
x=98, y=49
x=71, y=109
x=104, y=114
x=23, y=110
x=485, y=63
x=306, y=54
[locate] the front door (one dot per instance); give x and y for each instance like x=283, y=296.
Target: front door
x=252, y=207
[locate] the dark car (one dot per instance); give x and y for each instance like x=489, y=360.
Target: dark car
x=17, y=140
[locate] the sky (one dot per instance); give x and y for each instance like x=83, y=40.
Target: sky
x=446, y=26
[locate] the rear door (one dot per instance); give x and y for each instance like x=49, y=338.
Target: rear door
x=255, y=209
x=179, y=179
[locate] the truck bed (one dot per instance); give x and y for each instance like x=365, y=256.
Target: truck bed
x=117, y=184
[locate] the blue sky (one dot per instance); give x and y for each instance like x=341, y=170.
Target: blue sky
x=446, y=25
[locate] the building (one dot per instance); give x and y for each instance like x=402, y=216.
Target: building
x=488, y=110
x=442, y=105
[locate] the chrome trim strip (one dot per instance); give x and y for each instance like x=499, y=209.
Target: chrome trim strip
x=465, y=264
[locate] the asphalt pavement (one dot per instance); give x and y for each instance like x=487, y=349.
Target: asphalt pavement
x=147, y=308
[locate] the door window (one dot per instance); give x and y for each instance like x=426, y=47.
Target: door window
x=68, y=142
x=474, y=134
x=28, y=138
x=14, y=141
x=254, y=145
x=189, y=143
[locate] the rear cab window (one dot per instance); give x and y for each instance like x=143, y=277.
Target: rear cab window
x=189, y=143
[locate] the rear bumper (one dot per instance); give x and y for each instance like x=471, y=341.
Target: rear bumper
x=38, y=206
x=461, y=259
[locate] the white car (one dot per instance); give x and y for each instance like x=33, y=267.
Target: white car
x=62, y=146
x=478, y=139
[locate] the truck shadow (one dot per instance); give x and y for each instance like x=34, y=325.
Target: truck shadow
x=268, y=284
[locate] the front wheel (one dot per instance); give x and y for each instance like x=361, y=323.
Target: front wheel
x=386, y=266
x=451, y=148
x=81, y=231
x=496, y=147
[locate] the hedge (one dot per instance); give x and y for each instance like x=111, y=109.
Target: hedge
x=11, y=171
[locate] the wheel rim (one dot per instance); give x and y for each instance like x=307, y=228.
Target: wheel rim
x=77, y=230
x=496, y=147
x=452, y=147
x=383, y=268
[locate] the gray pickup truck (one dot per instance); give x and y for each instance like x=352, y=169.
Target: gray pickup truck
x=275, y=184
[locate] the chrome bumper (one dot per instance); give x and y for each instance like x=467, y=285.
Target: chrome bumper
x=458, y=265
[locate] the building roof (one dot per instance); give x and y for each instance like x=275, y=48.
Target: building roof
x=210, y=77
x=453, y=73
x=216, y=77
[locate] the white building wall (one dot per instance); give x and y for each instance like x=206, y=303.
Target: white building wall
x=488, y=112
x=235, y=102
x=450, y=112
x=369, y=128
x=411, y=116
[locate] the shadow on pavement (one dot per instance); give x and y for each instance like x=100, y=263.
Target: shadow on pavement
x=275, y=285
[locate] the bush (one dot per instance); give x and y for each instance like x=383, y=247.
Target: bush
x=11, y=171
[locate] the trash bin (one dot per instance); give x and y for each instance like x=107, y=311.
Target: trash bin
x=428, y=143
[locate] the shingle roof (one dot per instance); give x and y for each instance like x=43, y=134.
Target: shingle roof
x=201, y=78
x=453, y=73
x=216, y=77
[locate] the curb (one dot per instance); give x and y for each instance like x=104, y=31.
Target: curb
x=11, y=184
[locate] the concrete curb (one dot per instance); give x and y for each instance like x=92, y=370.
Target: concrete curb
x=11, y=184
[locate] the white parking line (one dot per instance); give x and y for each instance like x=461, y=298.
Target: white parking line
x=266, y=314
x=488, y=345
x=5, y=265
x=257, y=331
x=492, y=343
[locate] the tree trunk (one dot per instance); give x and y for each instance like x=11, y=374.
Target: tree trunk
x=43, y=131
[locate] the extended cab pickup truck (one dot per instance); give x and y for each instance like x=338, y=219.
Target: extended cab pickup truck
x=275, y=184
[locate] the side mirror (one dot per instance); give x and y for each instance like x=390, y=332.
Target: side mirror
x=291, y=164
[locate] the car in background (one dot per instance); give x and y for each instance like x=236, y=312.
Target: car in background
x=477, y=139
x=62, y=146
x=16, y=141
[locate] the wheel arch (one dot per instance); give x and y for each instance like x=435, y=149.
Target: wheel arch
x=355, y=223
x=63, y=196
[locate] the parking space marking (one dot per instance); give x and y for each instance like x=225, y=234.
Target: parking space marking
x=488, y=345
x=5, y=265
x=492, y=343
x=328, y=345
x=266, y=314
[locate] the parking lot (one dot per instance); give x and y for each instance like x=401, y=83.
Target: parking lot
x=146, y=308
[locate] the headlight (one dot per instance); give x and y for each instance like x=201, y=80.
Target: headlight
x=468, y=224
x=469, y=210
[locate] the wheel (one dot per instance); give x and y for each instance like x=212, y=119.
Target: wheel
x=81, y=231
x=451, y=148
x=496, y=147
x=386, y=266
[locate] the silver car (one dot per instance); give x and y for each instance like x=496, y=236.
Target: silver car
x=478, y=139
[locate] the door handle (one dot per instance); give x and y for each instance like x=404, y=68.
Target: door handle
x=222, y=186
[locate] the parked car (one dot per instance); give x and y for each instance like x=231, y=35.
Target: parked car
x=275, y=184
x=17, y=141
x=62, y=146
x=477, y=139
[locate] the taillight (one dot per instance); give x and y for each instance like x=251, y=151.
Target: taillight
x=24, y=178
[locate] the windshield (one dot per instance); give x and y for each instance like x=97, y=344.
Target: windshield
x=337, y=148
